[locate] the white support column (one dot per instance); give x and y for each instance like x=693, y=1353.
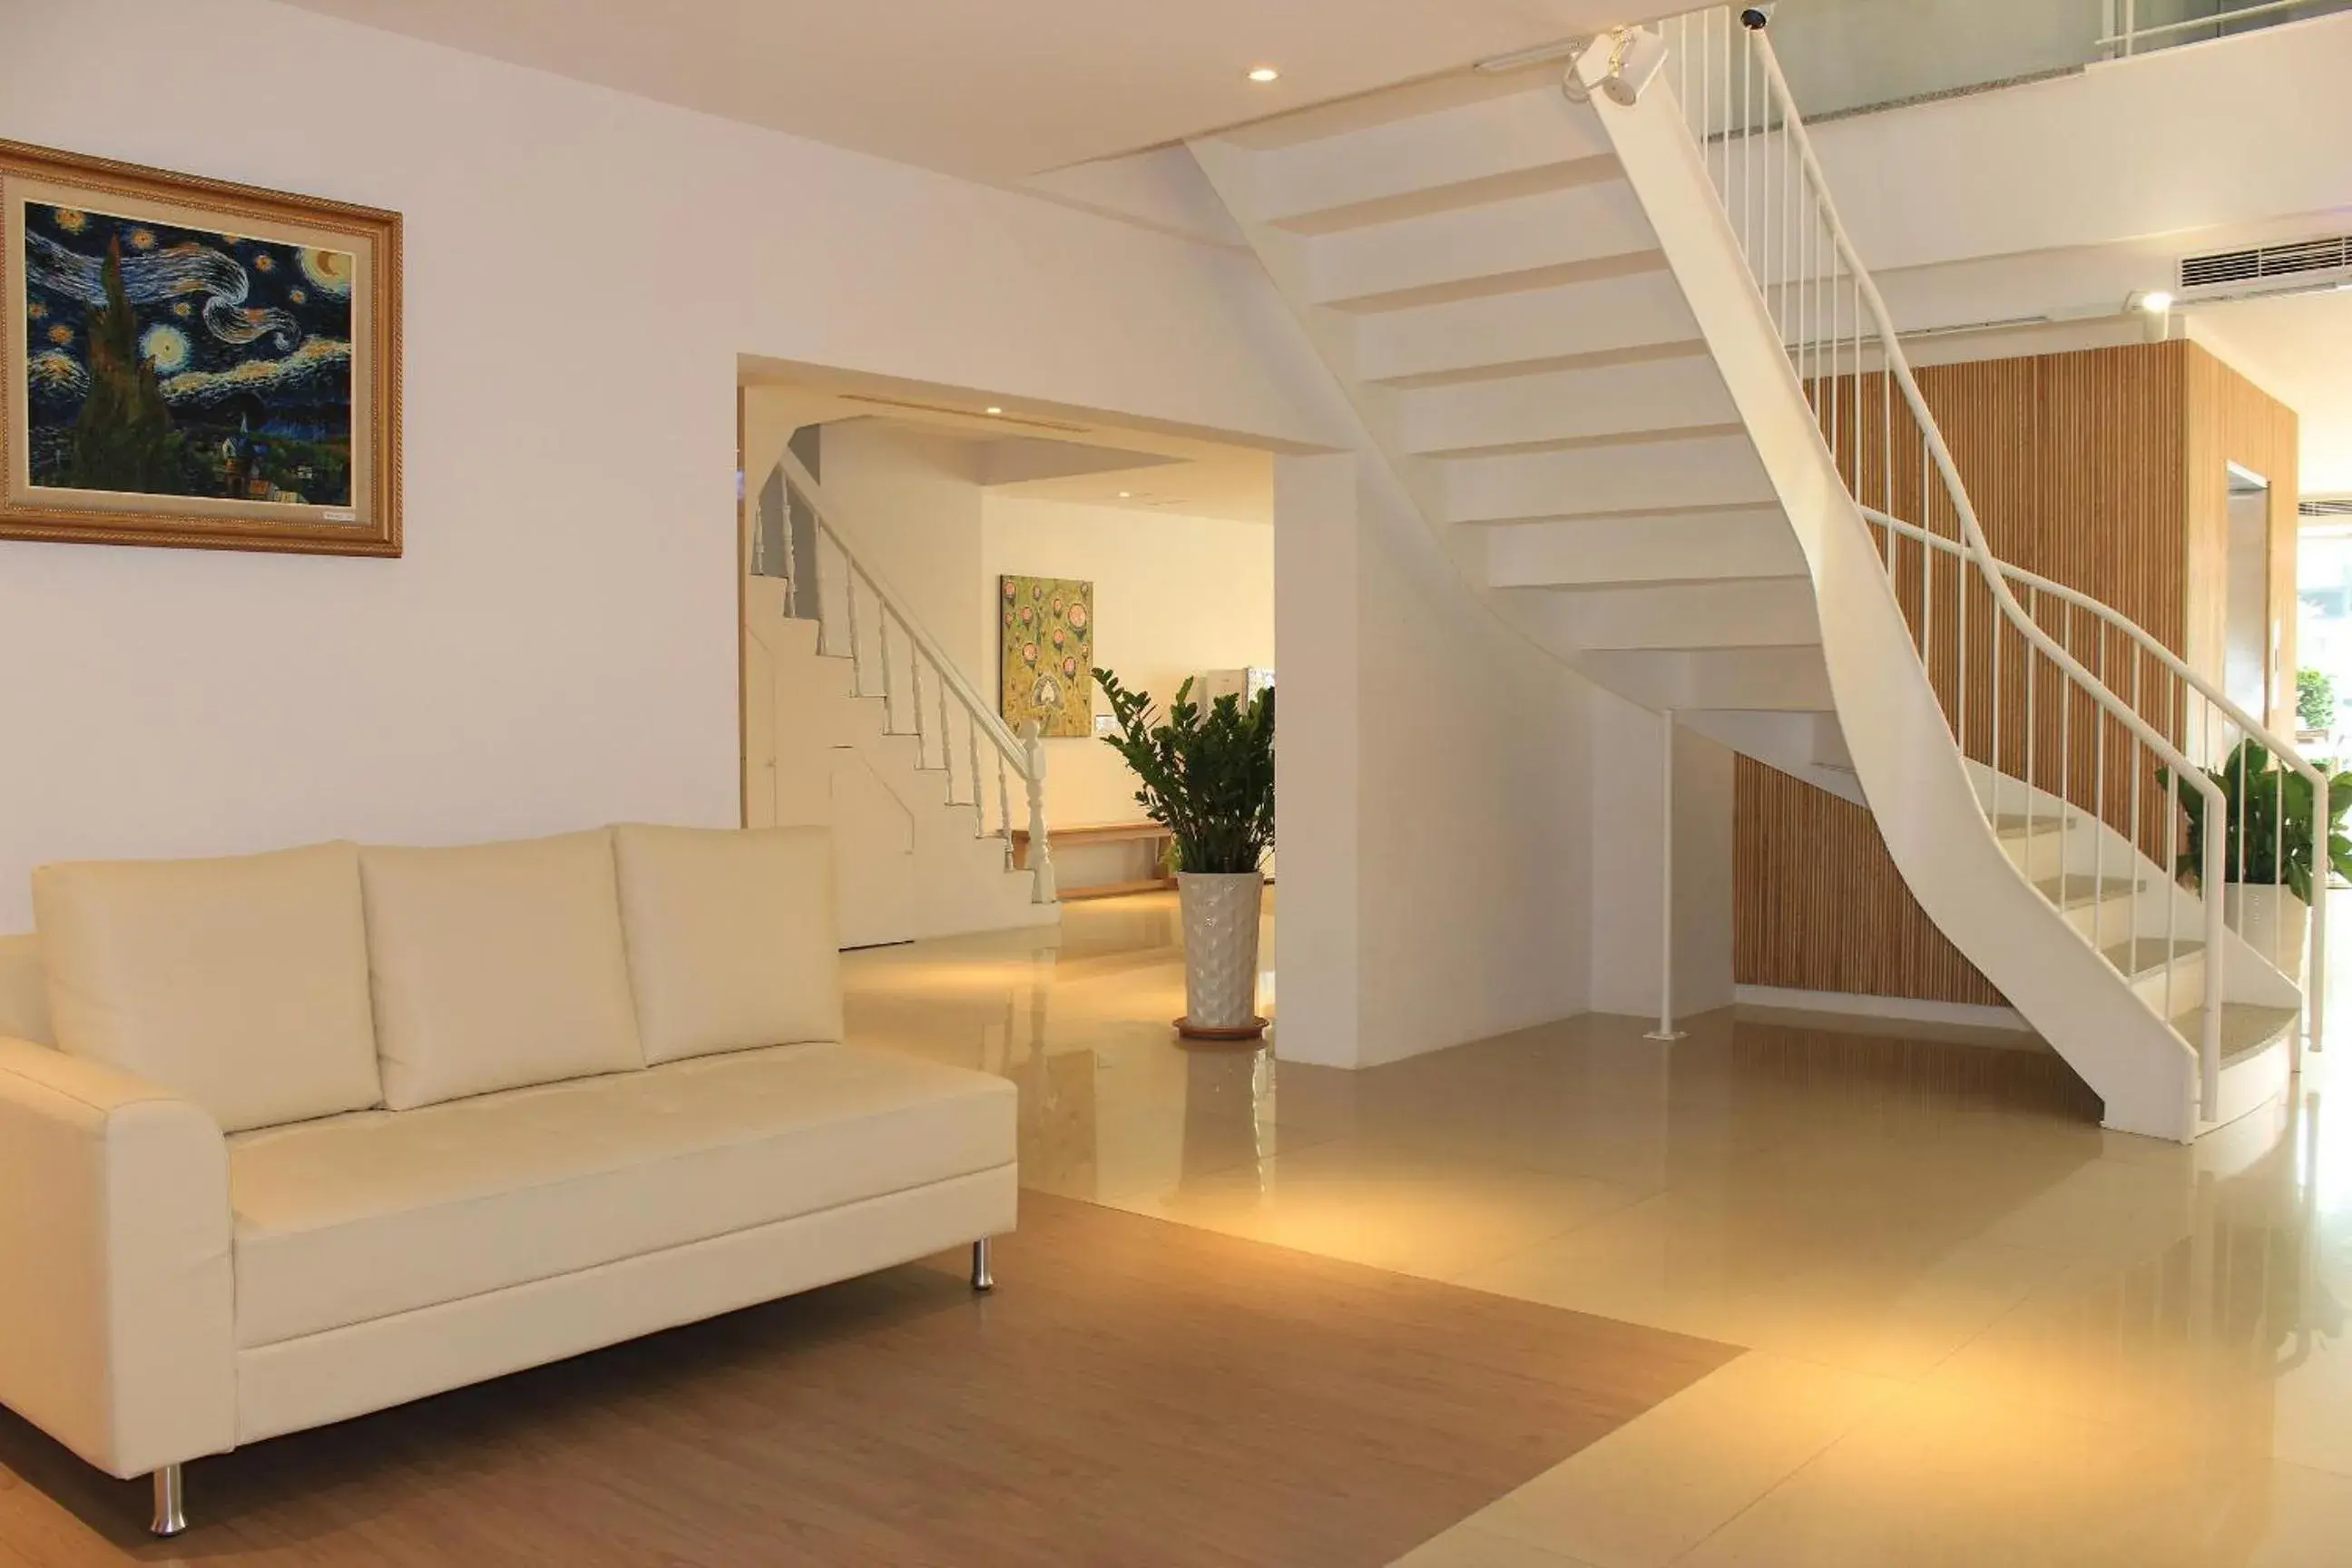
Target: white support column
x=1665, y=1029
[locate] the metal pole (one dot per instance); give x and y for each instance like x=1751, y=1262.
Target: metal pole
x=1665, y=1029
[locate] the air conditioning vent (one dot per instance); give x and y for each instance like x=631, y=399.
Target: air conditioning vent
x=2332, y=506
x=2268, y=261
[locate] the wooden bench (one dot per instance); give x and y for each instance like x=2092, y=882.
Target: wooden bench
x=1062, y=838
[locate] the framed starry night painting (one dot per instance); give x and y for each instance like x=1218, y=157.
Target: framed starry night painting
x=185, y=362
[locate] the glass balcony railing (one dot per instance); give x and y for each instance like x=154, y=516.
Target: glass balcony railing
x=1843, y=55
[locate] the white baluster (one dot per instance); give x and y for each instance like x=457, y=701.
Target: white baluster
x=889, y=683
x=856, y=645
x=979, y=810
x=1041, y=853
x=947, y=745
x=915, y=675
x=1004, y=810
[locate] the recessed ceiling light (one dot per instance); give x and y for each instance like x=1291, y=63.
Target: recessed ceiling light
x=992, y=410
x=1126, y=495
x=2155, y=301
x=1263, y=74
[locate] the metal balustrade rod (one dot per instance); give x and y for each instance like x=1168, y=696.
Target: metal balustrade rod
x=2172, y=891
x=2099, y=825
x=2245, y=801
x=2066, y=763
x=2131, y=34
x=889, y=683
x=2032, y=729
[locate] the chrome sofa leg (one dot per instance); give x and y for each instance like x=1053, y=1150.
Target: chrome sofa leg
x=982, y=1280
x=171, y=1503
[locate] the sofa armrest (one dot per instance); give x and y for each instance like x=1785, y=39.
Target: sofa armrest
x=116, y=1305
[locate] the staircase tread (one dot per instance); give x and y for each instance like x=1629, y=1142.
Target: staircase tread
x=2073, y=892
x=2246, y=1028
x=2146, y=955
x=2017, y=825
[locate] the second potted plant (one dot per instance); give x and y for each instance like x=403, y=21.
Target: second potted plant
x=1207, y=778
x=2270, y=862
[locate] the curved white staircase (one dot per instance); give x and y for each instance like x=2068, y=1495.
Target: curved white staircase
x=1640, y=387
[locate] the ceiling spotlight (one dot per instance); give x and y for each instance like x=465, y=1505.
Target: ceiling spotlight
x=2155, y=301
x=1126, y=495
x=992, y=409
x=1263, y=74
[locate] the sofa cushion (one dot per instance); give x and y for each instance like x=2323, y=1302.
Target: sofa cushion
x=496, y=965
x=348, y=1220
x=241, y=983
x=731, y=937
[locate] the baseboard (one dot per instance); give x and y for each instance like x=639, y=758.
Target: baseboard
x=1907, y=1009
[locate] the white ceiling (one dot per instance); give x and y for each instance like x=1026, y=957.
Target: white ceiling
x=1046, y=452
x=993, y=91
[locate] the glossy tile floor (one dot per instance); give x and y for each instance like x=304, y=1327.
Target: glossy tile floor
x=1982, y=1330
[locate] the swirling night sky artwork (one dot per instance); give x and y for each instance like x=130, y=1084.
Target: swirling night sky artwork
x=166, y=361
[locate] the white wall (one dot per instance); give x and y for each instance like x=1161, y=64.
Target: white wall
x=1434, y=768
x=913, y=500
x=1173, y=596
x=558, y=646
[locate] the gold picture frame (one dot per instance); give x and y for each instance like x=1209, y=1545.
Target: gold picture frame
x=193, y=363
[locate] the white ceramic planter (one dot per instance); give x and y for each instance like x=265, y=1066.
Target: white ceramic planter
x=1221, y=915
x=2272, y=920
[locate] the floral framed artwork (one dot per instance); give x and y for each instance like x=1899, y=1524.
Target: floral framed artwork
x=186, y=361
x=1048, y=655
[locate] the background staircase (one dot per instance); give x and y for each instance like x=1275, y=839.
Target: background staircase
x=855, y=719
x=1610, y=339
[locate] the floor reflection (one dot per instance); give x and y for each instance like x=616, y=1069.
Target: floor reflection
x=1982, y=1328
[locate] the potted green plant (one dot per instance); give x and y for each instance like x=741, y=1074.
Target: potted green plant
x=1207, y=778
x=2268, y=858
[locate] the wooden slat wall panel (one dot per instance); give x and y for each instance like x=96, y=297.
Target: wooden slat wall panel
x=1820, y=906
x=2083, y=468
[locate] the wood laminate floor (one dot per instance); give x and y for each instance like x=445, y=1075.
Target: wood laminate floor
x=1137, y=1393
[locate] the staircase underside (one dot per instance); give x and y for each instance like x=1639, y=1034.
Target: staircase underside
x=1535, y=321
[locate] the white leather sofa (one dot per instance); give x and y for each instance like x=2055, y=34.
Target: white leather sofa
x=291, y=1137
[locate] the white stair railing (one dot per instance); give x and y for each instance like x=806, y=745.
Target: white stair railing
x=2211, y=726
x=930, y=715
x=2017, y=700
